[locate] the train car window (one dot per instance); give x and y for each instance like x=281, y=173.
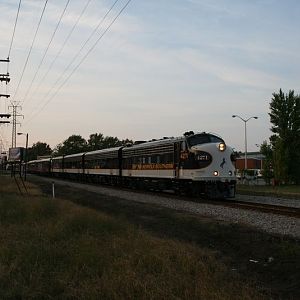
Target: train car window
x=167, y=158
x=183, y=146
x=153, y=159
x=128, y=163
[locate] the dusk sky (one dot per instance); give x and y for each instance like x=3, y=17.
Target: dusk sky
x=163, y=68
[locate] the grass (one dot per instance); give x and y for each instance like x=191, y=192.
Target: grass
x=288, y=191
x=56, y=249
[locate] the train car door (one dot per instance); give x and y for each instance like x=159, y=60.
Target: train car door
x=176, y=159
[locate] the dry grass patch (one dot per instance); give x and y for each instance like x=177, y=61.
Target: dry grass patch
x=8, y=186
x=56, y=249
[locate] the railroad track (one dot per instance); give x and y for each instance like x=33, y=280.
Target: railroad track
x=267, y=208
x=254, y=206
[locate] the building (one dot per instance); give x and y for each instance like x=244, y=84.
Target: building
x=254, y=161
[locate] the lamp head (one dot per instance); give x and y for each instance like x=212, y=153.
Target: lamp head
x=233, y=116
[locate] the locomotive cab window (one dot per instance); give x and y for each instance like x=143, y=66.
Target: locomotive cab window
x=199, y=139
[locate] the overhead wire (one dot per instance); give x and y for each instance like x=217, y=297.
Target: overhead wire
x=46, y=50
x=26, y=62
x=61, y=48
x=13, y=35
x=81, y=49
x=9, y=50
x=78, y=53
x=4, y=141
x=80, y=62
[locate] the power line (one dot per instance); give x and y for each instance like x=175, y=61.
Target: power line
x=79, y=51
x=26, y=62
x=13, y=35
x=62, y=47
x=81, y=61
x=47, y=48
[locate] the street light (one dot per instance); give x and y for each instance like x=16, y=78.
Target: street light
x=245, y=122
x=26, y=147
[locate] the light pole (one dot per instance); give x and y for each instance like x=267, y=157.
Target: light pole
x=26, y=148
x=245, y=122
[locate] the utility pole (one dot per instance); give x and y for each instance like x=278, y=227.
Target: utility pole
x=15, y=114
x=5, y=116
x=4, y=78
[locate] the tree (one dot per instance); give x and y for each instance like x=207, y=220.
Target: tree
x=97, y=141
x=38, y=149
x=73, y=144
x=110, y=142
x=266, y=150
x=285, y=119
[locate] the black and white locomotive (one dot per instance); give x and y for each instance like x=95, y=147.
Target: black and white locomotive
x=197, y=164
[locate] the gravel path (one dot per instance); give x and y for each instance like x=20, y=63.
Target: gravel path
x=268, y=222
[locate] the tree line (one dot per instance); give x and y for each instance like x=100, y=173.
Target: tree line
x=76, y=144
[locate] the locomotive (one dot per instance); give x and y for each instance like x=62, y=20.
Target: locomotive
x=199, y=164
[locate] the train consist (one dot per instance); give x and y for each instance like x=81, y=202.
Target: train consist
x=199, y=164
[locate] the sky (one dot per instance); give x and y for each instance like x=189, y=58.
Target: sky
x=164, y=67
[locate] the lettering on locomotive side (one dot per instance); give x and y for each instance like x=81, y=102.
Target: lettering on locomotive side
x=152, y=166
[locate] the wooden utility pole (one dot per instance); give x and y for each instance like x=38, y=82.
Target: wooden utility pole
x=4, y=78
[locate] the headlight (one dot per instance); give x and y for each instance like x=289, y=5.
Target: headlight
x=230, y=173
x=216, y=173
x=222, y=146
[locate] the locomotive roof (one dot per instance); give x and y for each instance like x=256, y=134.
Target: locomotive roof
x=57, y=157
x=102, y=151
x=154, y=143
x=40, y=160
x=166, y=140
x=74, y=155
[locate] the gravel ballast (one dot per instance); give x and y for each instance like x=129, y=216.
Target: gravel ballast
x=270, y=223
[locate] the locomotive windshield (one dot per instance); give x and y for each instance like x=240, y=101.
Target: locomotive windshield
x=198, y=139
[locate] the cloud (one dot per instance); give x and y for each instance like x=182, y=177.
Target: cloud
x=228, y=71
